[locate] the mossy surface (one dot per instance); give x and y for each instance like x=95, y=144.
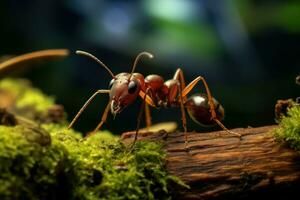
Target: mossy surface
x=289, y=128
x=100, y=167
x=25, y=96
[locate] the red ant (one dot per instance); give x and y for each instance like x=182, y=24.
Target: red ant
x=124, y=88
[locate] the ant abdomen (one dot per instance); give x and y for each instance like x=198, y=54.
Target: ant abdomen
x=199, y=109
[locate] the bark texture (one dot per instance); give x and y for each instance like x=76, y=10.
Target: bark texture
x=221, y=166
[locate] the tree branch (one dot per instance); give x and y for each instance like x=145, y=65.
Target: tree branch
x=220, y=166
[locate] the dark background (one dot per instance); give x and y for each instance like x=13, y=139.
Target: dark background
x=248, y=51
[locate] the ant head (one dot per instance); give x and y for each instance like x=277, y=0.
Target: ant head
x=124, y=87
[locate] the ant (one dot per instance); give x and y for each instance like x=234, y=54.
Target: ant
x=124, y=88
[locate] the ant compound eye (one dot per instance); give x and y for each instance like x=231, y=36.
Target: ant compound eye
x=111, y=83
x=132, y=86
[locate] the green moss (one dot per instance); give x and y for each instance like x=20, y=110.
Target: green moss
x=27, y=170
x=71, y=167
x=25, y=96
x=289, y=128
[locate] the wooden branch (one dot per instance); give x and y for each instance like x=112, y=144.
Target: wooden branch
x=220, y=166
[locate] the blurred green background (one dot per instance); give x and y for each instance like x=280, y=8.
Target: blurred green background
x=248, y=51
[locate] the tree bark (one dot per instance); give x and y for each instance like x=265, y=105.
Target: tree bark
x=220, y=166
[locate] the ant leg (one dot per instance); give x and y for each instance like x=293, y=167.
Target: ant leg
x=148, y=116
x=147, y=98
x=175, y=91
x=140, y=117
x=103, y=119
x=188, y=88
x=85, y=105
x=183, y=117
x=226, y=129
x=179, y=76
x=138, y=123
x=149, y=101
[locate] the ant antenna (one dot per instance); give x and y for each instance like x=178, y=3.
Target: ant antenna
x=96, y=59
x=144, y=53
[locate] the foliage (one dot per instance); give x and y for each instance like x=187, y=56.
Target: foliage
x=289, y=128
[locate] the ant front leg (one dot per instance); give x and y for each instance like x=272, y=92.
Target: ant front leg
x=85, y=106
x=148, y=116
x=190, y=86
x=103, y=119
x=146, y=100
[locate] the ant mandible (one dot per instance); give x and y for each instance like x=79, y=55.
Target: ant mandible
x=124, y=88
